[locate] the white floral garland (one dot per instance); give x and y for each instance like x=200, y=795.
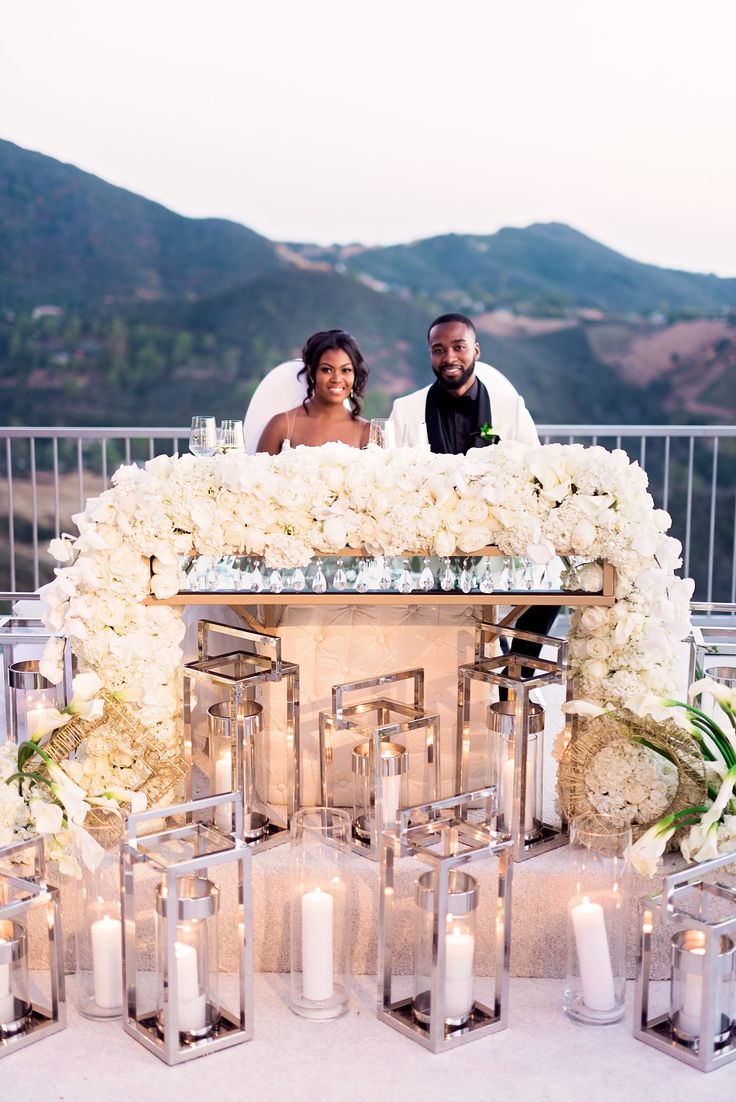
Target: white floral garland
x=529, y=501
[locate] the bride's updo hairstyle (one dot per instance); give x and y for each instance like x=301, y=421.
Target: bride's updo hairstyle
x=322, y=342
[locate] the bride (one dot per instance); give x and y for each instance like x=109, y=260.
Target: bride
x=335, y=373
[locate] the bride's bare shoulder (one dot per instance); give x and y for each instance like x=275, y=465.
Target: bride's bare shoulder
x=275, y=433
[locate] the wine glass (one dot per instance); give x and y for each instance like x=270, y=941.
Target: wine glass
x=203, y=436
x=382, y=433
x=232, y=439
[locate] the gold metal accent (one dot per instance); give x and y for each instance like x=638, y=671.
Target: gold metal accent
x=122, y=731
x=623, y=726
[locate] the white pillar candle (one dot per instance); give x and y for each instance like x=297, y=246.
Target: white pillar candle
x=594, y=958
x=507, y=794
x=692, y=999
x=459, y=972
x=191, y=1004
x=317, y=971
x=391, y=787
x=224, y=783
x=107, y=962
x=7, y=1002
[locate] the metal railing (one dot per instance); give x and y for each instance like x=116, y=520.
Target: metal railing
x=47, y=474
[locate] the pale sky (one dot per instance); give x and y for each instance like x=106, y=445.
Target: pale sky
x=383, y=121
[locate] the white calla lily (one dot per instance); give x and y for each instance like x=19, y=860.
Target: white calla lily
x=646, y=853
x=48, y=817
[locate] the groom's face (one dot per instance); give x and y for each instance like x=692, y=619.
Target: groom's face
x=453, y=350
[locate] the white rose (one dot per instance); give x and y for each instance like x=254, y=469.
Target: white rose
x=335, y=535
x=254, y=540
x=594, y=669
x=444, y=544
x=164, y=585
x=591, y=577
x=594, y=620
x=473, y=539
x=124, y=561
x=597, y=648
x=583, y=536
x=472, y=510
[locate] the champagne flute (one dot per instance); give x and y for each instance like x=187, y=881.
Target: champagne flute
x=203, y=436
x=232, y=436
x=382, y=433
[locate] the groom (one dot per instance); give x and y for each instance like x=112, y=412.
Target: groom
x=470, y=405
x=467, y=398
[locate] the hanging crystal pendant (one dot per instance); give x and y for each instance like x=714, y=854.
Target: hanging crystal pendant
x=504, y=580
x=384, y=582
x=319, y=582
x=426, y=578
x=275, y=582
x=405, y=584
x=485, y=585
x=256, y=578
x=298, y=581
x=466, y=578
x=527, y=577
x=447, y=581
x=340, y=581
x=361, y=582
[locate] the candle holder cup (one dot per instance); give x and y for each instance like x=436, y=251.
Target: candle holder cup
x=320, y=912
x=597, y=920
x=30, y=926
x=98, y=929
x=240, y=747
x=176, y=903
x=508, y=752
x=384, y=774
x=30, y=634
x=462, y=915
x=696, y=912
x=28, y=690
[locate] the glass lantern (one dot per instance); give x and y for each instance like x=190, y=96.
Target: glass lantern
x=694, y=916
x=379, y=788
x=237, y=764
x=460, y=938
x=320, y=913
x=99, y=938
x=192, y=985
x=378, y=754
x=597, y=920
x=20, y=635
x=501, y=724
x=239, y=673
x=178, y=886
x=30, y=930
x=507, y=751
x=458, y=906
x=29, y=691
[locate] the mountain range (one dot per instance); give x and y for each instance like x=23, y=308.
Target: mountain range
x=115, y=310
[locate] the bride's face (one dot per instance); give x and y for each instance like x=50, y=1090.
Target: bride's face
x=334, y=376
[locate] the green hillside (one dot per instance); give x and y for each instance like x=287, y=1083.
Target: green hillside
x=69, y=238
x=542, y=268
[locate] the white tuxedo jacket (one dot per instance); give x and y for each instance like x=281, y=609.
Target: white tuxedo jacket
x=511, y=419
